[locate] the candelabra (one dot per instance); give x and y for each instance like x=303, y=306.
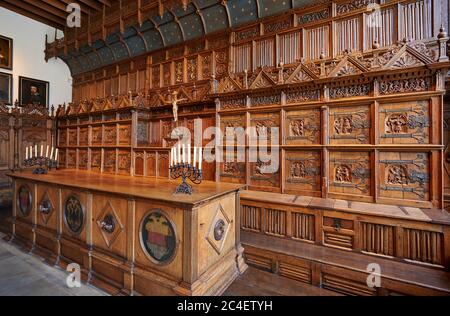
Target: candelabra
x=186, y=172
x=42, y=164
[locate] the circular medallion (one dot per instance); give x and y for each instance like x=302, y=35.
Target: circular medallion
x=219, y=230
x=157, y=237
x=24, y=200
x=74, y=214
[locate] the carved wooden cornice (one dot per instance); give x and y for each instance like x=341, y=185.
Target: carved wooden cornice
x=401, y=58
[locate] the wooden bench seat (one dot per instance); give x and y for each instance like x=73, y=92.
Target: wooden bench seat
x=330, y=243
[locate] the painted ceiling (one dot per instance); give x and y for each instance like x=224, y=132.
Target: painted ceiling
x=202, y=17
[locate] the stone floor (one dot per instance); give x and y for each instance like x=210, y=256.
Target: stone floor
x=22, y=274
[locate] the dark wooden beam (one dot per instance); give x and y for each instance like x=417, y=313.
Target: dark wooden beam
x=31, y=15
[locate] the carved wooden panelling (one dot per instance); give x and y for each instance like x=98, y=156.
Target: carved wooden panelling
x=62, y=137
x=235, y=124
x=303, y=226
x=303, y=172
x=338, y=232
x=124, y=162
x=265, y=172
x=317, y=42
x=62, y=159
x=109, y=163
x=233, y=171
x=302, y=274
x=350, y=125
x=124, y=134
x=151, y=164
x=275, y=222
x=416, y=21
x=163, y=164
x=263, y=125
x=303, y=127
x=139, y=164
x=96, y=160
x=110, y=135
x=404, y=175
x=251, y=218
x=347, y=35
x=71, y=159
x=84, y=136
x=96, y=135
x=259, y=262
x=83, y=159
x=405, y=123
x=378, y=239
x=423, y=246
x=73, y=137
x=346, y=286
x=350, y=173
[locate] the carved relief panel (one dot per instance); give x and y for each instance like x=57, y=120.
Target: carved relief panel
x=96, y=135
x=350, y=125
x=350, y=173
x=404, y=175
x=110, y=134
x=96, y=160
x=163, y=164
x=235, y=124
x=263, y=125
x=109, y=165
x=151, y=164
x=405, y=123
x=71, y=159
x=233, y=169
x=264, y=171
x=84, y=136
x=62, y=137
x=303, y=172
x=73, y=137
x=124, y=162
x=62, y=159
x=83, y=159
x=124, y=134
x=303, y=127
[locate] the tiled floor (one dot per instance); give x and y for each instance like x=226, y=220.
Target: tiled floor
x=22, y=274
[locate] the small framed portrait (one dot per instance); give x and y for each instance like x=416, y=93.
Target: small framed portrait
x=6, y=82
x=33, y=91
x=6, y=52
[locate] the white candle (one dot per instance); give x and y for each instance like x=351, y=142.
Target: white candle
x=56, y=155
x=46, y=152
x=26, y=155
x=189, y=154
x=200, y=154
x=51, y=153
x=31, y=152
x=195, y=156
x=179, y=154
x=35, y=150
x=42, y=150
x=184, y=153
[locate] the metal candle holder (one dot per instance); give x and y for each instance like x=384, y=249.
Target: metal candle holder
x=186, y=172
x=43, y=164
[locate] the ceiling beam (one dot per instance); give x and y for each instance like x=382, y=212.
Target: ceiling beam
x=48, y=8
x=93, y=4
x=31, y=15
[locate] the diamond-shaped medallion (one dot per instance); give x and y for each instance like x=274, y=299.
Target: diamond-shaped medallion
x=46, y=207
x=218, y=231
x=109, y=224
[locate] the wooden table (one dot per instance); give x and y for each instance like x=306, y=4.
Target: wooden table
x=132, y=235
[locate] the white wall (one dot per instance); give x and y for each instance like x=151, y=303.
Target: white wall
x=29, y=59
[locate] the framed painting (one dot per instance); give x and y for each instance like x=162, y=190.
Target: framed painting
x=6, y=52
x=6, y=82
x=33, y=91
